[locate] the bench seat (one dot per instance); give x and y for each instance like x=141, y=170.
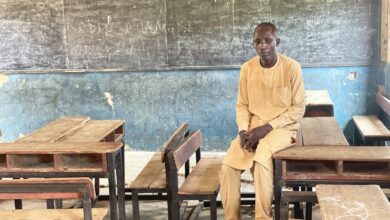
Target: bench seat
x=203, y=179
x=202, y=183
x=371, y=128
x=152, y=175
x=152, y=178
x=352, y=202
x=49, y=189
x=38, y=186
x=52, y=214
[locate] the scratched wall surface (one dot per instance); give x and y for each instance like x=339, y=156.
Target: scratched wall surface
x=154, y=103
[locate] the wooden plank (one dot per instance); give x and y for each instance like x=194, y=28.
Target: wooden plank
x=174, y=139
x=322, y=131
x=152, y=175
x=187, y=148
x=71, y=180
x=340, y=168
x=371, y=127
x=318, y=98
x=321, y=175
x=203, y=179
x=318, y=103
x=52, y=214
x=55, y=129
x=352, y=202
x=60, y=148
x=93, y=131
x=383, y=102
x=298, y=138
x=363, y=153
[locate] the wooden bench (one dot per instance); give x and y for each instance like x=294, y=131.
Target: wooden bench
x=53, y=214
x=318, y=103
x=352, y=202
x=312, y=165
x=63, y=159
x=78, y=129
x=371, y=130
x=201, y=184
x=311, y=197
x=152, y=178
x=49, y=189
x=319, y=131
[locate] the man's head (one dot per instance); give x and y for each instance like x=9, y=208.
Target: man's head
x=265, y=41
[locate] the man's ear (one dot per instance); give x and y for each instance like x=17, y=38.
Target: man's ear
x=277, y=41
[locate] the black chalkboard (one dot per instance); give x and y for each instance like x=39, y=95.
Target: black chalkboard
x=32, y=34
x=177, y=34
x=116, y=34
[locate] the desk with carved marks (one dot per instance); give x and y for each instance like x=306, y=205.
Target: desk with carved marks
x=311, y=165
x=352, y=202
x=61, y=159
x=81, y=130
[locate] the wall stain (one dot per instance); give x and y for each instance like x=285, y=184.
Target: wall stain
x=3, y=79
x=110, y=101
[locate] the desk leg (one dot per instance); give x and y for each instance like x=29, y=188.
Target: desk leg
x=123, y=160
x=112, y=187
x=277, y=187
x=97, y=186
x=120, y=186
x=298, y=211
x=309, y=206
x=18, y=204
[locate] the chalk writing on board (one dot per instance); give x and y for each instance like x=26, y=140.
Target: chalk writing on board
x=177, y=34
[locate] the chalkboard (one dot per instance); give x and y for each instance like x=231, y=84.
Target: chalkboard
x=31, y=34
x=116, y=34
x=135, y=35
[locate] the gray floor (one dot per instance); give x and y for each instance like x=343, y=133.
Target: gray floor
x=135, y=161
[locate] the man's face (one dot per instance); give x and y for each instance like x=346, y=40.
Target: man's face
x=265, y=42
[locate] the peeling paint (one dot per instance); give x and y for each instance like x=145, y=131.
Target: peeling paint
x=110, y=101
x=3, y=79
x=352, y=75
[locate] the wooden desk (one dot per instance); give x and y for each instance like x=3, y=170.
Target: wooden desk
x=371, y=129
x=308, y=166
x=61, y=159
x=318, y=131
x=77, y=129
x=352, y=202
x=80, y=129
x=318, y=103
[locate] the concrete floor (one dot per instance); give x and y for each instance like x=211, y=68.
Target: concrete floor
x=135, y=161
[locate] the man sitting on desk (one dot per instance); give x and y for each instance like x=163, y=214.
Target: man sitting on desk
x=270, y=104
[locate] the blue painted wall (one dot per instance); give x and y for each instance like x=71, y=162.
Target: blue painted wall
x=154, y=103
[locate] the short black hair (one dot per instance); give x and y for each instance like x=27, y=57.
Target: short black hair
x=269, y=24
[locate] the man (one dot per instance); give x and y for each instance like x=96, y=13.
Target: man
x=270, y=104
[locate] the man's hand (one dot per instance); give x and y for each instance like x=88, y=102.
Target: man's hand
x=243, y=138
x=254, y=135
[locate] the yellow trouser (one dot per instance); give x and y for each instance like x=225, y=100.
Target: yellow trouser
x=230, y=179
x=260, y=164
